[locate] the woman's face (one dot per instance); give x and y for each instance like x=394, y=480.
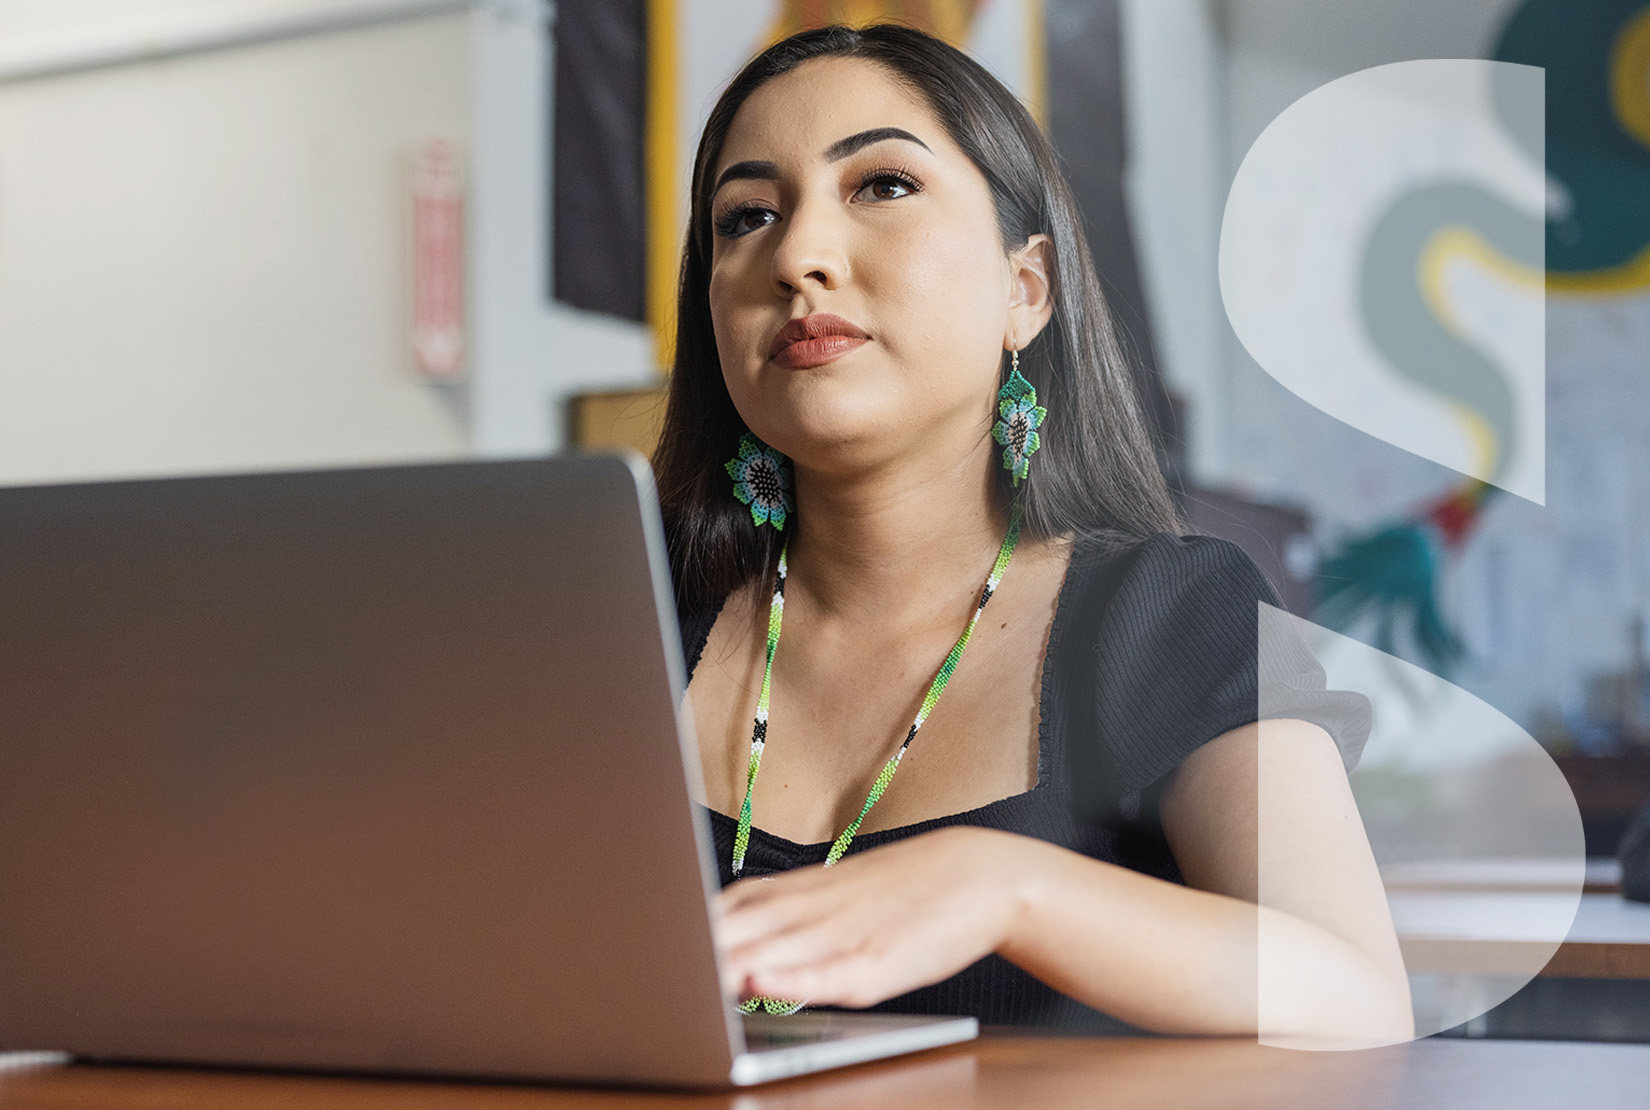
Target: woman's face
x=841, y=195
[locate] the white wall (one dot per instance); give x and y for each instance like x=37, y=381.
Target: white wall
x=69, y=22
x=530, y=354
x=204, y=260
x=1174, y=93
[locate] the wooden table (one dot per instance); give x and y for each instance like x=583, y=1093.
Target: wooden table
x=1010, y=1071
x=1504, y=932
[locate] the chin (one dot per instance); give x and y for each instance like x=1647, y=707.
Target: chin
x=829, y=418
x=837, y=446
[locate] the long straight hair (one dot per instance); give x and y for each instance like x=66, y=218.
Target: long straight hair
x=1096, y=475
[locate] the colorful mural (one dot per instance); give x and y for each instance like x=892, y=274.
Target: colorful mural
x=1593, y=135
x=1597, y=58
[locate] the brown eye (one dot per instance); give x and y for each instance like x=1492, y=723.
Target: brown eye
x=739, y=221
x=887, y=185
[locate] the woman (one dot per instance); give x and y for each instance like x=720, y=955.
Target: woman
x=901, y=440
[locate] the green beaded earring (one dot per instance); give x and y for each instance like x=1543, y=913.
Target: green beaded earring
x=762, y=479
x=1018, y=419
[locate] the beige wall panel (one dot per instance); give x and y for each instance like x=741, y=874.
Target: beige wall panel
x=204, y=262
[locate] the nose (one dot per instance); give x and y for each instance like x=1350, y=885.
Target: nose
x=810, y=251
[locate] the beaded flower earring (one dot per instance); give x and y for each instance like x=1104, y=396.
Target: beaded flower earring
x=1018, y=419
x=762, y=479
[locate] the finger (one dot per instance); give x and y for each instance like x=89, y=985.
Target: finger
x=815, y=940
x=855, y=980
x=736, y=979
x=737, y=967
x=740, y=944
x=789, y=898
x=743, y=893
x=806, y=944
x=873, y=969
x=744, y=923
x=763, y=887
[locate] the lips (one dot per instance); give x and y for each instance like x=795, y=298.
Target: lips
x=815, y=340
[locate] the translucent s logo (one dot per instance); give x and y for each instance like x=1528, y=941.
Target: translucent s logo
x=1383, y=256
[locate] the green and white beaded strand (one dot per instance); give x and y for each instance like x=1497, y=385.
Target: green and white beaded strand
x=759, y=735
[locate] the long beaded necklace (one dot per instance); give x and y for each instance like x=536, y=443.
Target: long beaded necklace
x=759, y=735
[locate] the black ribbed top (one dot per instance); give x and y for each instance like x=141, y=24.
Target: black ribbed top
x=1153, y=652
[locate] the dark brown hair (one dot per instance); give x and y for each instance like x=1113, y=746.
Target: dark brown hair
x=1096, y=475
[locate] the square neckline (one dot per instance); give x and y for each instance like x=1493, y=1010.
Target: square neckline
x=1044, y=700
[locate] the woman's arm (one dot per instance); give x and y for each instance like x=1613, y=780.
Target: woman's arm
x=1260, y=812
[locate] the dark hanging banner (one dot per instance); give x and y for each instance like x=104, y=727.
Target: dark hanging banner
x=1086, y=123
x=598, y=221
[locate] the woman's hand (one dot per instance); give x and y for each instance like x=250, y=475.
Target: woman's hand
x=877, y=924
x=1316, y=965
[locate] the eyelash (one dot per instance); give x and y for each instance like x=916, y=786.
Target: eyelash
x=727, y=224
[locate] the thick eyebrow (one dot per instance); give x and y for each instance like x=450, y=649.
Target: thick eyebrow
x=836, y=152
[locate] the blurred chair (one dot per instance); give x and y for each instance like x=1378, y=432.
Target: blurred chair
x=612, y=419
x=1634, y=853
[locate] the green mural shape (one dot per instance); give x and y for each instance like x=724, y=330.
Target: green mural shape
x=1597, y=57
x=1403, y=326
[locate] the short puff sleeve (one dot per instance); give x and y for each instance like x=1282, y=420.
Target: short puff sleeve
x=1178, y=661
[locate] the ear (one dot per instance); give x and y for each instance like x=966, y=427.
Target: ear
x=1030, y=291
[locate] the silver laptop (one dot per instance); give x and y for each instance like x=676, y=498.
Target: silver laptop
x=378, y=770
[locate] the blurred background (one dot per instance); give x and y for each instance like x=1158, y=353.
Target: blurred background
x=263, y=234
